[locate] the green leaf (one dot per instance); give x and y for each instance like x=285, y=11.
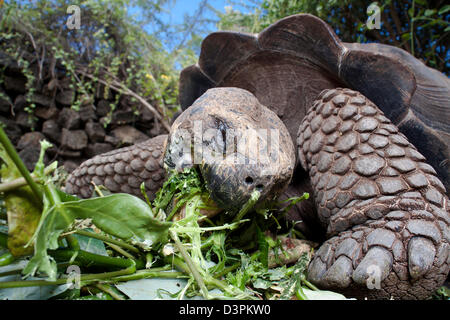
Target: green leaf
x=406, y=36
x=429, y=12
x=294, y=282
x=263, y=247
x=323, y=295
x=421, y=2
x=91, y=245
x=27, y=293
x=121, y=215
x=21, y=207
x=444, y=9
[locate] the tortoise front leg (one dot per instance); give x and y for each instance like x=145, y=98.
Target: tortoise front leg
x=122, y=170
x=385, y=211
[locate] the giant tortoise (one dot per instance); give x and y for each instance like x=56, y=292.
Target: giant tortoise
x=371, y=128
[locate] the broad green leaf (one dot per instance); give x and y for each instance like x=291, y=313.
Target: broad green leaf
x=91, y=245
x=121, y=215
x=22, y=210
x=23, y=219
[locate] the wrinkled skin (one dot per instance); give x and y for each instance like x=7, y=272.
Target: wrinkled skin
x=238, y=144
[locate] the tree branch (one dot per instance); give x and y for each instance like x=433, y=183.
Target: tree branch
x=119, y=87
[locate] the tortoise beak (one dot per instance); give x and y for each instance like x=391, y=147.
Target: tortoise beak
x=231, y=186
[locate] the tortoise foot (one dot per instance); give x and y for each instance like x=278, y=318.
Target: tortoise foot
x=400, y=257
x=385, y=211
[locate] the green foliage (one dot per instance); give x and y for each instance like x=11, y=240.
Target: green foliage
x=420, y=27
x=110, y=46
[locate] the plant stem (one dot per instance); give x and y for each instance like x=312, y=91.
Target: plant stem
x=300, y=294
x=12, y=153
x=90, y=277
x=249, y=205
x=150, y=273
x=20, y=182
x=6, y=259
x=121, y=251
x=3, y=240
x=227, y=270
x=310, y=285
x=190, y=265
x=107, y=289
x=120, y=243
x=72, y=242
x=90, y=259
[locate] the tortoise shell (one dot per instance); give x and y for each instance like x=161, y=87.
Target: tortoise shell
x=288, y=64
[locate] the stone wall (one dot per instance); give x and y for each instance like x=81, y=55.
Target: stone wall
x=75, y=135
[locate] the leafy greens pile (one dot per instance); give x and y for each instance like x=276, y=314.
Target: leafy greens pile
x=112, y=244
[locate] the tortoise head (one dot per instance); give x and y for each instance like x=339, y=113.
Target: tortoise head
x=238, y=144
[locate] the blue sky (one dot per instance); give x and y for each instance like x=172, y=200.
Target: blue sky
x=173, y=15
x=190, y=6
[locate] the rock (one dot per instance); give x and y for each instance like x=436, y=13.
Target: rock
x=29, y=140
x=30, y=156
x=102, y=92
x=103, y=108
x=70, y=165
x=97, y=148
x=20, y=103
x=5, y=105
x=10, y=64
x=65, y=97
x=112, y=140
x=12, y=129
x=95, y=131
x=15, y=84
x=122, y=117
x=69, y=119
x=42, y=100
x=87, y=113
x=69, y=153
x=25, y=120
x=128, y=135
x=73, y=139
x=51, y=130
x=46, y=112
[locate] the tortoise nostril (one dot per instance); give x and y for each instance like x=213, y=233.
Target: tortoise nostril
x=249, y=180
x=259, y=187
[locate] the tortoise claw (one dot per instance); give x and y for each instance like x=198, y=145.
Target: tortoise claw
x=421, y=253
x=374, y=268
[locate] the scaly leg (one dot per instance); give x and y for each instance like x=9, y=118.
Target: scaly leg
x=385, y=211
x=122, y=170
